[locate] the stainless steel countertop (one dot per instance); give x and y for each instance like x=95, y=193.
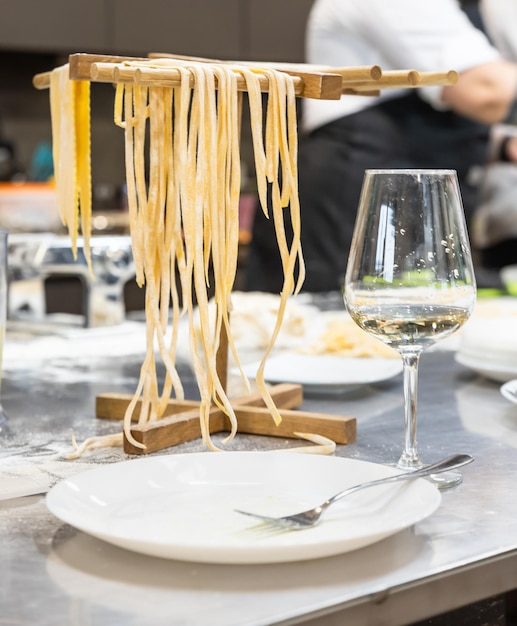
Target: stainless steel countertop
x=52, y=574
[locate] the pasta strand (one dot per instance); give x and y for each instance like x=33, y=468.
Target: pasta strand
x=182, y=161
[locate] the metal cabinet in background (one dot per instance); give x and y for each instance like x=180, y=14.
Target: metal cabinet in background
x=190, y=27
x=52, y=26
x=271, y=30
x=276, y=29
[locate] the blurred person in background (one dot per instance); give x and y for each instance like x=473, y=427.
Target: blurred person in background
x=428, y=127
x=494, y=224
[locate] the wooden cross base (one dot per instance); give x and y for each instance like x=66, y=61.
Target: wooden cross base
x=181, y=420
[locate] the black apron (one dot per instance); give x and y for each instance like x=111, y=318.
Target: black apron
x=401, y=132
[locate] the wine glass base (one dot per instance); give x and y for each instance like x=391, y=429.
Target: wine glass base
x=409, y=463
x=446, y=480
x=442, y=481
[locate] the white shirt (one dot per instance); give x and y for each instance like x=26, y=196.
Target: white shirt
x=500, y=20
x=425, y=35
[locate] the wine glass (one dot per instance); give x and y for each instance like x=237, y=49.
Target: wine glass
x=410, y=279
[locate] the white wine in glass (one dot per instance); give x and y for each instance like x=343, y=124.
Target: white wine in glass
x=410, y=278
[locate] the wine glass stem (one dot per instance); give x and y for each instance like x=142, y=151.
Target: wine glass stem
x=410, y=459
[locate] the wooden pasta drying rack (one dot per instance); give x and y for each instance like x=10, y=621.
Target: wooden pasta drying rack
x=310, y=81
x=181, y=419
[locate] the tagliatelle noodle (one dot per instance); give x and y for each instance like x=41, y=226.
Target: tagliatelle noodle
x=167, y=259
x=200, y=150
x=208, y=223
x=100, y=441
x=149, y=216
x=184, y=218
x=171, y=251
x=70, y=120
x=124, y=103
x=324, y=445
x=84, y=177
x=281, y=96
x=62, y=109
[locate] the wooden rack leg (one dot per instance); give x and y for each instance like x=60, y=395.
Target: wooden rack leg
x=181, y=422
x=221, y=358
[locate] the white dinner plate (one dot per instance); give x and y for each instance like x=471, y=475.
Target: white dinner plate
x=325, y=373
x=494, y=371
x=181, y=506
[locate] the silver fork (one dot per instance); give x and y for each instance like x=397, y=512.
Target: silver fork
x=307, y=519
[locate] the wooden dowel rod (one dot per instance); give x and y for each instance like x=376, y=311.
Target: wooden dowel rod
x=103, y=72
x=389, y=80
x=403, y=80
x=124, y=74
x=361, y=92
x=306, y=85
x=170, y=77
x=361, y=72
x=41, y=81
x=410, y=77
x=368, y=72
x=438, y=78
x=321, y=86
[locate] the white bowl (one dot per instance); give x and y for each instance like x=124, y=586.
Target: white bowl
x=509, y=390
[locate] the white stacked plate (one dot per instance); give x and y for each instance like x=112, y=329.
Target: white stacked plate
x=509, y=390
x=489, y=347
